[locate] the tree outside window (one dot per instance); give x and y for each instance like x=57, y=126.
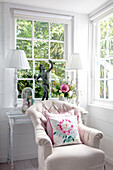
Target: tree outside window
x=41, y=41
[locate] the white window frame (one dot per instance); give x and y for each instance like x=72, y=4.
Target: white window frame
x=67, y=44
x=96, y=50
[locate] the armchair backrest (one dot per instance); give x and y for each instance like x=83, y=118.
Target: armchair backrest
x=55, y=107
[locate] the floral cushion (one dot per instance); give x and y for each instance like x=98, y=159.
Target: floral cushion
x=62, y=114
x=65, y=130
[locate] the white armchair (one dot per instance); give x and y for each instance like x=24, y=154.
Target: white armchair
x=85, y=156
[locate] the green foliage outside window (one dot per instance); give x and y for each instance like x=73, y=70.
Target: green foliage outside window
x=41, y=30
x=25, y=45
x=57, y=32
x=26, y=73
x=22, y=84
x=40, y=44
x=41, y=49
x=24, y=28
x=105, y=58
x=57, y=50
x=58, y=70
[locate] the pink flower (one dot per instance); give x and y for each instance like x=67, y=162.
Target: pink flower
x=60, y=91
x=64, y=88
x=69, y=131
x=65, y=126
x=71, y=126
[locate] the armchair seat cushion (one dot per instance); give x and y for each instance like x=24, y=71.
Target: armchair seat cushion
x=75, y=157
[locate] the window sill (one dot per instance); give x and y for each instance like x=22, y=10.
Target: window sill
x=102, y=104
x=20, y=101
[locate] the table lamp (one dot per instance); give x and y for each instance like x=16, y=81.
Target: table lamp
x=74, y=63
x=16, y=59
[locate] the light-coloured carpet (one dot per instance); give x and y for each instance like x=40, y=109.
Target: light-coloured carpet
x=31, y=164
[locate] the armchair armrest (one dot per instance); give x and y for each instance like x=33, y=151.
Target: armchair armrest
x=44, y=142
x=42, y=139
x=90, y=136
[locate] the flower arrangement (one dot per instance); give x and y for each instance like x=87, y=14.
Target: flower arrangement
x=64, y=88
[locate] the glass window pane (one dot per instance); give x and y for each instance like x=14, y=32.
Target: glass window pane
x=103, y=53
x=103, y=44
x=26, y=73
x=25, y=45
x=41, y=49
x=111, y=46
x=57, y=31
x=107, y=68
x=107, y=73
x=110, y=68
x=111, y=63
x=58, y=70
x=111, y=26
x=37, y=64
x=102, y=89
x=101, y=71
x=22, y=84
x=41, y=30
x=109, y=89
x=103, y=49
x=57, y=50
x=103, y=29
x=24, y=28
x=38, y=89
x=53, y=86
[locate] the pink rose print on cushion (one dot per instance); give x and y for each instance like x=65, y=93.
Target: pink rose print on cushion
x=65, y=126
x=65, y=130
x=64, y=88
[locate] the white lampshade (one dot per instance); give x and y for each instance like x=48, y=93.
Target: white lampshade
x=17, y=59
x=74, y=62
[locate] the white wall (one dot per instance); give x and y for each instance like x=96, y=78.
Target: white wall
x=102, y=119
x=23, y=133
x=81, y=46
x=1, y=57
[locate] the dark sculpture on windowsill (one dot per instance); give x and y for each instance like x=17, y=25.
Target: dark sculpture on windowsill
x=45, y=81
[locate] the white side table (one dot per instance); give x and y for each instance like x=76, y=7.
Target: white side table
x=14, y=119
x=84, y=116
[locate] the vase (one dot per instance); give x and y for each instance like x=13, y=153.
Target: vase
x=63, y=98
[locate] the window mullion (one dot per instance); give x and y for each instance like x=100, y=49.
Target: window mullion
x=97, y=54
x=105, y=59
x=49, y=40
x=49, y=57
x=33, y=56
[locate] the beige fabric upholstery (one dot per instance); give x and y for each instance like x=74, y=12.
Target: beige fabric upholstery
x=74, y=157
x=90, y=136
x=85, y=156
